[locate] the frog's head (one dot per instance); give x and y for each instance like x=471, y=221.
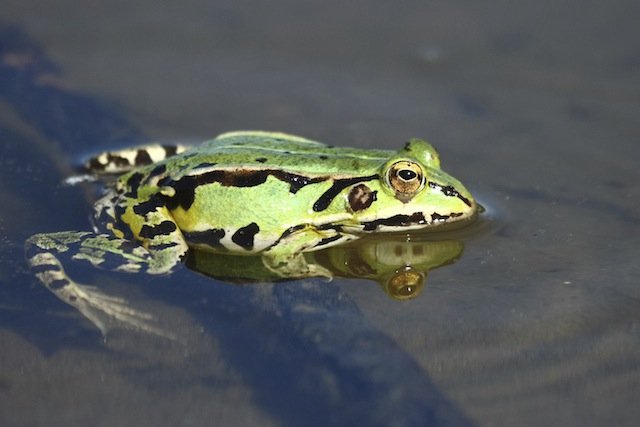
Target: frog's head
x=415, y=193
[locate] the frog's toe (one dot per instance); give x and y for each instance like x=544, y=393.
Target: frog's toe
x=107, y=312
x=316, y=270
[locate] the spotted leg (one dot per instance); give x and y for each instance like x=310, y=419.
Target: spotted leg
x=45, y=253
x=120, y=161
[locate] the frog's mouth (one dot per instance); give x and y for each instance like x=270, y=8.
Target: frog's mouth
x=399, y=221
x=418, y=220
x=414, y=219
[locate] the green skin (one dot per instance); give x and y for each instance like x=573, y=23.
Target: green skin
x=248, y=193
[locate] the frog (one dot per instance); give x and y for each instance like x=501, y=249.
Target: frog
x=270, y=194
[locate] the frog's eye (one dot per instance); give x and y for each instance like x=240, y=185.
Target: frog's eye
x=405, y=178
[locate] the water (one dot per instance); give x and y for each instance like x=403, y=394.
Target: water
x=534, y=107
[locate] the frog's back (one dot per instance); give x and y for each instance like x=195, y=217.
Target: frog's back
x=264, y=150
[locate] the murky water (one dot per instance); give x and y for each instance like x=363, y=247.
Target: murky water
x=534, y=106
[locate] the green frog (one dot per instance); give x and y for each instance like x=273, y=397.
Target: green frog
x=248, y=193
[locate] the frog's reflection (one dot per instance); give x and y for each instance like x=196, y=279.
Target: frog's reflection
x=399, y=263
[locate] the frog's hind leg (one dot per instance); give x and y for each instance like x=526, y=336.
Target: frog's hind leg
x=120, y=161
x=45, y=251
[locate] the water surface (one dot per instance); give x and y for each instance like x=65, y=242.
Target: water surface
x=534, y=107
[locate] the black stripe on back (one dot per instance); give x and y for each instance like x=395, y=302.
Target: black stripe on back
x=185, y=187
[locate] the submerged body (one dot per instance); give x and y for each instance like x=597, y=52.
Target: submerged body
x=251, y=192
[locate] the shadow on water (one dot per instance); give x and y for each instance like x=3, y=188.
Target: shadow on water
x=30, y=84
x=312, y=358
x=308, y=353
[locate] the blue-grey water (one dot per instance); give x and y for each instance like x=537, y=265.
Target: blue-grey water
x=535, y=106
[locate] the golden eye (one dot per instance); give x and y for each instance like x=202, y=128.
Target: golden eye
x=405, y=178
x=405, y=284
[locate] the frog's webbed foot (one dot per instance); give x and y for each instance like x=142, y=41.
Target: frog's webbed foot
x=104, y=311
